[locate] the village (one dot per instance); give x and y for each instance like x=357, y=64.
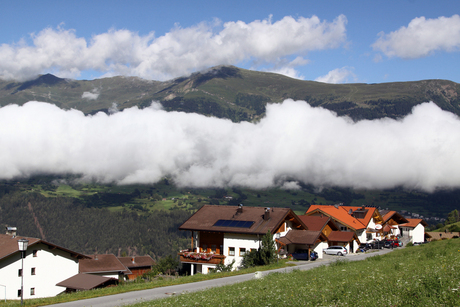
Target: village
x=219, y=235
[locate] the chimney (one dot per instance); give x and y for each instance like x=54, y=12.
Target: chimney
x=11, y=231
x=240, y=208
x=267, y=214
x=132, y=260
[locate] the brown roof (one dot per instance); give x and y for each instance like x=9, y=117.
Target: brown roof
x=205, y=218
x=308, y=237
x=84, y=281
x=315, y=222
x=137, y=261
x=103, y=263
x=341, y=236
x=9, y=246
x=387, y=215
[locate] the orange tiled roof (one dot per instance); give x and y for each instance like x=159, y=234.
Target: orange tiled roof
x=414, y=222
x=341, y=214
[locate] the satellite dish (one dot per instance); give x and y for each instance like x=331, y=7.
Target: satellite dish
x=378, y=226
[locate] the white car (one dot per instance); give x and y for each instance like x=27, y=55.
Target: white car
x=335, y=250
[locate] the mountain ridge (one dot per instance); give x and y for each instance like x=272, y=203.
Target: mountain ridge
x=234, y=93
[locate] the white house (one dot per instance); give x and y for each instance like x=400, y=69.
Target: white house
x=221, y=234
x=45, y=265
x=414, y=230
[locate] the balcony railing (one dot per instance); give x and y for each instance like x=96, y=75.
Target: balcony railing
x=210, y=258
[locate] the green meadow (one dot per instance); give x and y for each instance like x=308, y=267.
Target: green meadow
x=426, y=275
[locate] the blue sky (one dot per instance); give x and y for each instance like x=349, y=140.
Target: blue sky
x=328, y=41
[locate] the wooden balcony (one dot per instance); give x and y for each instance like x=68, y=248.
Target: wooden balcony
x=208, y=258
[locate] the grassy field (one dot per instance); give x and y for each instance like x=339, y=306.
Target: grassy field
x=426, y=275
x=139, y=285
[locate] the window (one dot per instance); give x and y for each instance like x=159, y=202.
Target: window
x=213, y=248
x=231, y=251
x=242, y=251
x=19, y=293
x=19, y=272
x=32, y=291
x=32, y=271
x=343, y=228
x=34, y=253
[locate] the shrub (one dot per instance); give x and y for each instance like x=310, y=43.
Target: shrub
x=265, y=255
x=221, y=267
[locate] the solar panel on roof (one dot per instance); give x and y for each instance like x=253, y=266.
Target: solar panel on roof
x=234, y=224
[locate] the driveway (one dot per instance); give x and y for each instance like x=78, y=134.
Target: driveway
x=157, y=293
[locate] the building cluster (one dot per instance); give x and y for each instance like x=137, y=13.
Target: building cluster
x=44, y=269
x=224, y=234
x=219, y=235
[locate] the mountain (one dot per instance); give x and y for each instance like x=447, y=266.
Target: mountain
x=233, y=93
x=144, y=219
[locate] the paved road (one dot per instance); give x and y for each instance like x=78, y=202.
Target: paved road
x=156, y=293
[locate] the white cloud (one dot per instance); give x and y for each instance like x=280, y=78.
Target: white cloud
x=422, y=37
x=177, y=53
x=293, y=143
x=338, y=75
x=93, y=95
x=289, y=68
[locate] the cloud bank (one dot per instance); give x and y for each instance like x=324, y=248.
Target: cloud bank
x=293, y=143
x=421, y=38
x=177, y=53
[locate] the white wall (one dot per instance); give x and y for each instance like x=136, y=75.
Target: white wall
x=319, y=249
x=239, y=241
x=418, y=233
x=51, y=267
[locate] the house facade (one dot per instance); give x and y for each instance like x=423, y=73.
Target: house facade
x=137, y=265
x=414, y=230
x=391, y=223
x=45, y=265
x=223, y=234
x=364, y=222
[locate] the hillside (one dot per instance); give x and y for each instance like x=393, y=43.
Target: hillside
x=144, y=219
x=234, y=93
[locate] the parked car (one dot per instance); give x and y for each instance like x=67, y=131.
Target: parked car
x=377, y=244
x=391, y=243
x=336, y=250
x=301, y=254
x=313, y=256
x=363, y=247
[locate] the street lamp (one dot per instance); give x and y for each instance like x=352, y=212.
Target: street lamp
x=22, y=243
